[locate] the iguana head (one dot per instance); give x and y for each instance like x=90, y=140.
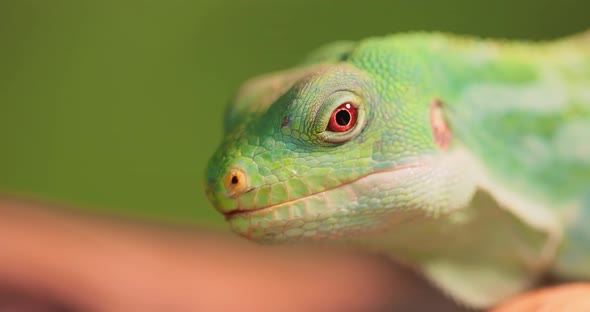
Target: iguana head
x=339, y=147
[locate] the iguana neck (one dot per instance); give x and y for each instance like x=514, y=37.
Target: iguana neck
x=520, y=109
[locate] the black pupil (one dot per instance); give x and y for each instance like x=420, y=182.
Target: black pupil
x=342, y=118
x=234, y=180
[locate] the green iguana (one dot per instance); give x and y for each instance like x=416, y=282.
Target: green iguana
x=466, y=159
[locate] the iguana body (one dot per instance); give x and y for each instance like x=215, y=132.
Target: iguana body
x=467, y=159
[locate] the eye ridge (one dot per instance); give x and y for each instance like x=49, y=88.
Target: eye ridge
x=343, y=118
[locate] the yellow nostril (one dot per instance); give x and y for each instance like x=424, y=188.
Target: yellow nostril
x=235, y=182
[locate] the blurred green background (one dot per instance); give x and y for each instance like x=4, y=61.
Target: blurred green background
x=117, y=105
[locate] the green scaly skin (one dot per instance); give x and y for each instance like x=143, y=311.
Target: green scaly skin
x=482, y=217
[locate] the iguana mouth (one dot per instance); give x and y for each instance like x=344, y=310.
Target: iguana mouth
x=241, y=212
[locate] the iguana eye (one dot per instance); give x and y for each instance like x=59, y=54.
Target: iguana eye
x=340, y=117
x=343, y=118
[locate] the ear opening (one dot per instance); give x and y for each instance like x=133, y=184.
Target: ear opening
x=441, y=132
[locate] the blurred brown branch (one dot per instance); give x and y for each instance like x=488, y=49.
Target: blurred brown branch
x=56, y=260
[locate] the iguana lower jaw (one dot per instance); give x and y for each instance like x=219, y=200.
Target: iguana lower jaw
x=349, y=210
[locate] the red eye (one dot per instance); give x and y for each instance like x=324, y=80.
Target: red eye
x=343, y=118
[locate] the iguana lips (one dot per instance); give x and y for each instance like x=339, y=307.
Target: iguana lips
x=240, y=211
